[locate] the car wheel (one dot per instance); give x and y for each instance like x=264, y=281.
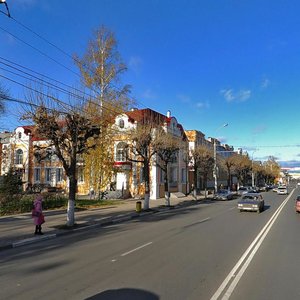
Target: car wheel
x=241, y=210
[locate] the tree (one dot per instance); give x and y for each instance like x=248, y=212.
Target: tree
x=201, y=158
x=229, y=163
x=166, y=147
x=71, y=134
x=242, y=168
x=141, y=151
x=101, y=68
x=11, y=184
x=3, y=96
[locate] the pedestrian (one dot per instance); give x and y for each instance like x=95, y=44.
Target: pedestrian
x=37, y=214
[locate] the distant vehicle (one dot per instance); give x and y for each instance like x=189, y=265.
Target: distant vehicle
x=262, y=188
x=243, y=190
x=282, y=190
x=275, y=187
x=251, y=202
x=223, y=195
x=297, y=204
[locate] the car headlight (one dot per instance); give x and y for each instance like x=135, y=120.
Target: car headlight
x=255, y=205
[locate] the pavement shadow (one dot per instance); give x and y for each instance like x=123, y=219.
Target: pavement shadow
x=124, y=294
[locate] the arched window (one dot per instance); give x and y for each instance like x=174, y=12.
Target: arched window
x=19, y=157
x=121, y=123
x=121, y=152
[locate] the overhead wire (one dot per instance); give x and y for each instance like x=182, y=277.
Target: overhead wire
x=12, y=65
x=59, y=49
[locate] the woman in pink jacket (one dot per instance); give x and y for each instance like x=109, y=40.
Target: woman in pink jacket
x=37, y=214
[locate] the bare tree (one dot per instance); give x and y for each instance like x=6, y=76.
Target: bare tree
x=71, y=133
x=201, y=158
x=166, y=147
x=141, y=151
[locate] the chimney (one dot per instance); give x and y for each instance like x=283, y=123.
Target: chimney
x=168, y=114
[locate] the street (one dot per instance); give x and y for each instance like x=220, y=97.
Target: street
x=185, y=253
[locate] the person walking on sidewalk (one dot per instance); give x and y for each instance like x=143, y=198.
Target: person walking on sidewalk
x=37, y=214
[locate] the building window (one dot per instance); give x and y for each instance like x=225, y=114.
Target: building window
x=142, y=175
x=80, y=176
x=162, y=175
x=37, y=174
x=121, y=152
x=20, y=135
x=183, y=175
x=19, y=157
x=121, y=123
x=47, y=175
x=173, y=176
x=59, y=174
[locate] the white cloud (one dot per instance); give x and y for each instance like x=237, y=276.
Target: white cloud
x=240, y=96
x=148, y=94
x=184, y=98
x=259, y=129
x=265, y=83
x=202, y=105
x=135, y=63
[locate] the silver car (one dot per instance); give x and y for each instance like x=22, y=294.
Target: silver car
x=251, y=202
x=223, y=195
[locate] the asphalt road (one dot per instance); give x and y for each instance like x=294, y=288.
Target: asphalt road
x=194, y=252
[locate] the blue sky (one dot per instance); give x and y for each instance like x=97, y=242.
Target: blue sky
x=208, y=62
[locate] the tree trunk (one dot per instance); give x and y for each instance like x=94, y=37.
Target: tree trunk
x=72, y=196
x=147, y=185
x=167, y=194
x=195, y=182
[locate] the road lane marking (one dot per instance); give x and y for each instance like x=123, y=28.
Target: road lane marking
x=136, y=249
x=233, y=275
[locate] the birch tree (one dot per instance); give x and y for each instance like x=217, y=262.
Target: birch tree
x=101, y=67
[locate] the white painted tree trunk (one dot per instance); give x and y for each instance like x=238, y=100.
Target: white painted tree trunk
x=195, y=193
x=167, y=198
x=71, y=213
x=146, y=201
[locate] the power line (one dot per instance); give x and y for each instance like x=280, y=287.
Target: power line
x=63, y=52
x=8, y=62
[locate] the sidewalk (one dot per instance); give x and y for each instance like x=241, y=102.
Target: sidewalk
x=17, y=230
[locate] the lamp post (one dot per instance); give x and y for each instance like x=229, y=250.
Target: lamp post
x=252, y=169
x=215, y=159
x=4, y=2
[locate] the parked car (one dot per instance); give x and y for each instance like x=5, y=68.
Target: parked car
x=297, y=204
x=251, y=202
x=243, y=190
x=282, y=190
x=223, y=195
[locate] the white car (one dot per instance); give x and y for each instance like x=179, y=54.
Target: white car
x=282, y=190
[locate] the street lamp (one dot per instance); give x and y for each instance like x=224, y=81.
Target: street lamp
x=4, y=2
x=252, y=169
x=215, y=158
